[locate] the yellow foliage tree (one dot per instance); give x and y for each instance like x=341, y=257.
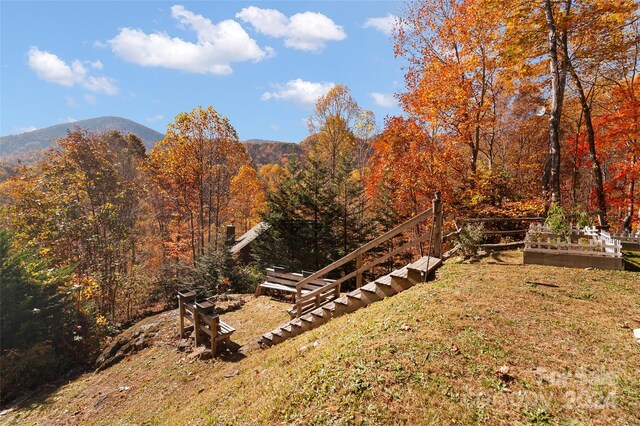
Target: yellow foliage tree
x=247, y=198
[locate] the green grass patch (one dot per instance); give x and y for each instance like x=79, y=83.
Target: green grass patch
x=631, y=260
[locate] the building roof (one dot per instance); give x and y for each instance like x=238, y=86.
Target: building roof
x=248, y=237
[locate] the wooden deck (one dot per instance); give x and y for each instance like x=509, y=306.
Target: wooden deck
x=279, y=280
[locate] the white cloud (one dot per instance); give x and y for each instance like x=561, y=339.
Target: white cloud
x=97, y=65
x=51, y=68
x=303, y=31
x=298, y=91
x=385, y=24
x=71, y=102
x=90, y=99
x=218, y=45
x=384, y=100
x=155, y=118
x=26, y=129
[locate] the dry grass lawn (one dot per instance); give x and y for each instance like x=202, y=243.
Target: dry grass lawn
x=493, y=342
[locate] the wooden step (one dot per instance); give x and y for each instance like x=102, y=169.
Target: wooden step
x=387, y=289
x=307, y=318
x=425, y=264
x=287, y=327
x=404, y=278
x=318, y=313
x=342, y=300
x=329, y=307
x=400, y=273
x=296, y=322
x=371, y=293
x=268, y=337
x=277, y=332
x=386, y=280
x=390, y=282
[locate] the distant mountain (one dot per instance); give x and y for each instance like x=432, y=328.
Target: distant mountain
x=28, y=146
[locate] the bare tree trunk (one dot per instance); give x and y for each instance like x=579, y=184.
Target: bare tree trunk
x=574, y=180
x=591, y=140
x=632, y=190
x=558, y=69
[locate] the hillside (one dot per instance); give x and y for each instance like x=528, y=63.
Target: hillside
x=26, y=146
x=265, y=152
x=492, y=342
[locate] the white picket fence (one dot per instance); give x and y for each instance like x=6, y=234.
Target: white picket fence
x=540, y=239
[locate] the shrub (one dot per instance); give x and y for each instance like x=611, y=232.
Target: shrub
x=557, y=221
x=469, y=239
x=43, y=334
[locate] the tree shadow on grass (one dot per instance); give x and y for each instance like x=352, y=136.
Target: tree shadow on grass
x=39, y=396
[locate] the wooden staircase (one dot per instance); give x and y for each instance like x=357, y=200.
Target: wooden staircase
x=315, y=306
x=383, y=287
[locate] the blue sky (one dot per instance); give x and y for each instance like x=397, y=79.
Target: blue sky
x=261, y=64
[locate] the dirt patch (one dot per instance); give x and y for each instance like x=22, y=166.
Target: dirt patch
x=160, y=330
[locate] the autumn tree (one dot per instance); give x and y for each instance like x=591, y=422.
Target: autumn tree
x=247, y=197
x=455, y=73
x=81, y=207
x=411, y=165
x=595, y=41
x=365, y=131
x=617, y=127
x=194, y=166
x=333, y=119
x=271, y=175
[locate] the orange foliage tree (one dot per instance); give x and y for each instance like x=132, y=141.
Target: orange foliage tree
x=456, y=74
x=408, y=166
x=194, y=166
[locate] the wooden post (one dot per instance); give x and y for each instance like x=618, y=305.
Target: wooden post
x=436, y=251
x=184, y=296
x=196, y=324
x=181, y=309
x=359, y=274
x=215, y=323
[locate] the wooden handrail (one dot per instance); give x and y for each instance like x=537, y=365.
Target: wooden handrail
x=353, y=255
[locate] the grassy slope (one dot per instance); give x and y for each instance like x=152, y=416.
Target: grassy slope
x=426, y=356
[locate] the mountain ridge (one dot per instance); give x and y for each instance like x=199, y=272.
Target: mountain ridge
x=28, y=147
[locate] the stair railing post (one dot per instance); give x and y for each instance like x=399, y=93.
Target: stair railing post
x=437, y=226
x=359, y=273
